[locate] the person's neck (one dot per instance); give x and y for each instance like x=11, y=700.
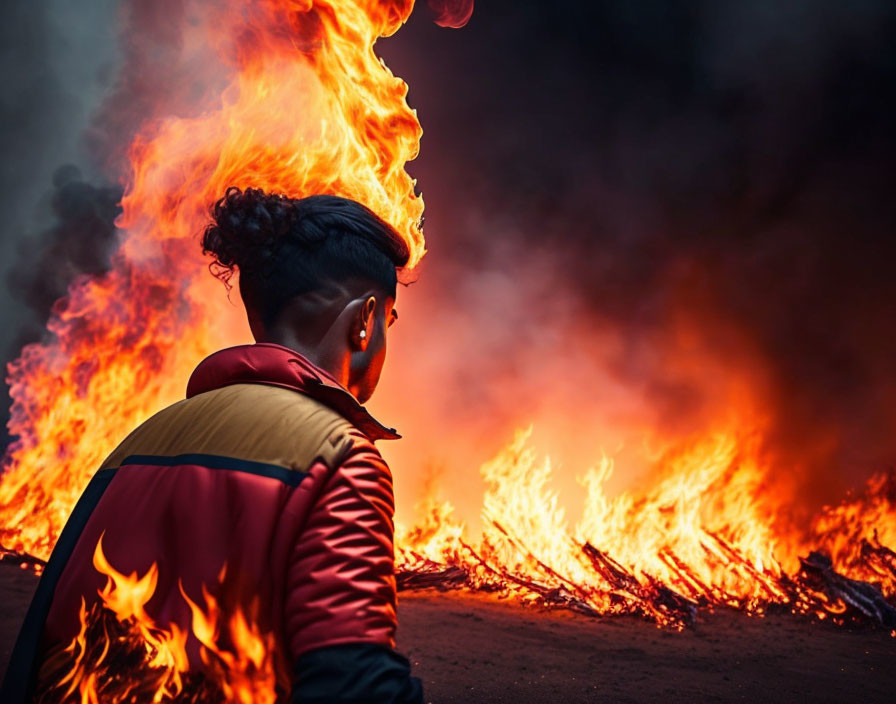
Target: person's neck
x=319, y=355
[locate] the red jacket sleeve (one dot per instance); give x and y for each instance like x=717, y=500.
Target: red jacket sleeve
x=341, y=576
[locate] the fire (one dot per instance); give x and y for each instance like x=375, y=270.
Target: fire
x=135, y=659
x=703, y=533
x=305, y=107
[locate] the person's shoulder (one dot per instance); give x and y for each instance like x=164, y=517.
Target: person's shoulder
x=268, y=401
x=285, y=422
x=257, y=422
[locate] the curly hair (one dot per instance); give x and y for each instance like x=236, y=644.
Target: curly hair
x=283, y=247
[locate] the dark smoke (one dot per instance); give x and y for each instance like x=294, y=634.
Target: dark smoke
x=723, y=167
x=75, y=93
x=56, y=60
x=79, y=243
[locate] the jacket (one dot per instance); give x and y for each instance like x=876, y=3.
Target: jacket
x=264, y=488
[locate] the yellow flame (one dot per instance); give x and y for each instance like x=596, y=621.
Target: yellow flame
x=306, y=107
x=243, y=672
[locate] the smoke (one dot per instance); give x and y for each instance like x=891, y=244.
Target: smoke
x=57, y=60
x=81, y=79
x=79, y=243
x=707, y=188
x=638, y=214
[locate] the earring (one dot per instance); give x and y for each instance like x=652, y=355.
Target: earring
x=363, y=334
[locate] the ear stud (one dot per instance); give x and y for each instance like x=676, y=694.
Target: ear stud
x=363, y=334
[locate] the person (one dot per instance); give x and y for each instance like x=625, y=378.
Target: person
x=263, y=487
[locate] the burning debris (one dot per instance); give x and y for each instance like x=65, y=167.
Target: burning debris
x=817, y=590
x=845, y=598
x=694, y=557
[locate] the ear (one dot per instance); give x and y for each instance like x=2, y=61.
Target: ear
x=362, y=324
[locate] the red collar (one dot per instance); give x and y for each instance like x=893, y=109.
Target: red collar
x=275, y=365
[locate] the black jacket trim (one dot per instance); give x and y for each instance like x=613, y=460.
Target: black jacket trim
x=291, y=477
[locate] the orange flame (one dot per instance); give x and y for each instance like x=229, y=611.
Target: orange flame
x=703, y=528
x=134, y=659
x=307, y=108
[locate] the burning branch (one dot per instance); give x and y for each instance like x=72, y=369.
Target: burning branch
x=860, y=598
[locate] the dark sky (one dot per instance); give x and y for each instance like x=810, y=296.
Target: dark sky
x=723, y=167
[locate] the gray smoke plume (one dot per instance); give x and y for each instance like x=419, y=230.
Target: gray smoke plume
x=56, y=60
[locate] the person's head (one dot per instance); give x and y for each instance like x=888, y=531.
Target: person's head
x=316, y=274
